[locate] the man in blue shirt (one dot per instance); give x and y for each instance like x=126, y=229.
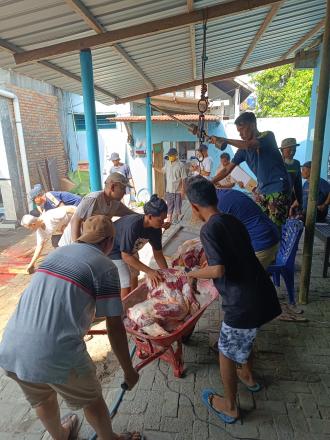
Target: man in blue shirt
x=263, y=233
x=323, y=199
x=52, y=199
x=260, y=152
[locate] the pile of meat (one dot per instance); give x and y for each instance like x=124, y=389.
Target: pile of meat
x=169, y=304
x=190, y=254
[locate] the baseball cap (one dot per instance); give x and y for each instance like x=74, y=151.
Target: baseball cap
x=114, y=156
x=118, y=178
x=96, y=228
x=307, y=164
x=36, y=191
x=172, y=152
x=289, y=143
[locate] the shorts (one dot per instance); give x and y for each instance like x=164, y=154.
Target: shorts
x=236, y=343
x=124, y=273
x=174, y=202
x=79, y=391
x=267, y=256
x=275, y=206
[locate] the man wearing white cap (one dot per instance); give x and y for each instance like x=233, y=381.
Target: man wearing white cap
x=124, y=169
x=50, y=224
x=288, y=150
x=106, y=202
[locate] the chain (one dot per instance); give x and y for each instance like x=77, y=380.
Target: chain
x=203, y=103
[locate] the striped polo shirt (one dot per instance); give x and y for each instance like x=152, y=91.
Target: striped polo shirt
x=43, y=339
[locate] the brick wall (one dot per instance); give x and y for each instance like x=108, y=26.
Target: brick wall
x=42, y=133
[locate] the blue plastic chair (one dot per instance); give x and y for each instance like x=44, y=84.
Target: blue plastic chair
x=284, y=263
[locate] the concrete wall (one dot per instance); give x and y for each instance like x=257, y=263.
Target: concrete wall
x=325, y=167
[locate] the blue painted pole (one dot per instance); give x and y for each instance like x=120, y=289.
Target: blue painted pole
x=149, y=145
x=86, y=67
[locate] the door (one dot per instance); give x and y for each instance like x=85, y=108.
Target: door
x=158, y=160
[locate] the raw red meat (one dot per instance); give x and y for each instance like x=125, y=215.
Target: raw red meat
x=190, y=254
x=166, y=306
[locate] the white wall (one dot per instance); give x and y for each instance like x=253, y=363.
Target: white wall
x=282, y=128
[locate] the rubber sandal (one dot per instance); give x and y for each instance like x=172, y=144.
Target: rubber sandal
x=206, y=394
x=74, y=425
x=253, y=388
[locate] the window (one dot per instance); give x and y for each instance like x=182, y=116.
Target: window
x=102, y=122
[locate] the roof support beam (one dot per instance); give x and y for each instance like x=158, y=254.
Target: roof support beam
x=92, y=22
x=207, y=80
x=305, y=38
x=12, y=48
x=271, y=14
x=190, y=7
x=86, y=15
x=156, y=26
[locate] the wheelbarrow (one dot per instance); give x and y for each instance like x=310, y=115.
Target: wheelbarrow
x=169, y=347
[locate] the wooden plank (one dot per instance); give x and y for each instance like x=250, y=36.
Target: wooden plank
x=51, y=167
x=210, y=79
x=42, y=177
x=12, y=48
x=302, y=40
x=86, y=15
x=158, y=161
x=147, y=28
x=271, y=14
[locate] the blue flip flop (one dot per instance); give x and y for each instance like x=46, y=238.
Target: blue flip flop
x=222, y=416
x=253, y=388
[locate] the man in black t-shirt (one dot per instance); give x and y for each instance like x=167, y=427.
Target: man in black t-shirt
x=249, y=298
x=132, y=233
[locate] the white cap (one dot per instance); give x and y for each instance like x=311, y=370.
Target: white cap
x=28, y=219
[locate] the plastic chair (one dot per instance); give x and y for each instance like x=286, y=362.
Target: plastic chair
x=285, y=258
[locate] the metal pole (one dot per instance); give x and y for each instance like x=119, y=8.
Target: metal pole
x=148, y=144
x=320, y=122
x=86, y=66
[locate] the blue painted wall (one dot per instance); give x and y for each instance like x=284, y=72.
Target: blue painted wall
x=325, y=172
x=171, y=132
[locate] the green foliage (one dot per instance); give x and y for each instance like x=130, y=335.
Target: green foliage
x=283, y=91
x=81, y=180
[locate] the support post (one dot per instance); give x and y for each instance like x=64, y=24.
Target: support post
x=86, y=66
x=320, y=122
x=148, y=144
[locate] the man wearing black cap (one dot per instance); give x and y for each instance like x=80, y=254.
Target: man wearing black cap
x=323, y=198
x=175, y=175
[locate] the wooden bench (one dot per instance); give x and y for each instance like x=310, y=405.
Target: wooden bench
x=322, y=231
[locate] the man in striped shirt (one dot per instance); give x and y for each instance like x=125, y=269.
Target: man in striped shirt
x=43, y=348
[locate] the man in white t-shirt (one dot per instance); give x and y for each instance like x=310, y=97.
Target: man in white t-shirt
x=50, y=224
x=205, y=162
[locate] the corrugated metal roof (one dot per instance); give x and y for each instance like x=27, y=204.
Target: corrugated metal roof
x=164, y=118
x=165, y=57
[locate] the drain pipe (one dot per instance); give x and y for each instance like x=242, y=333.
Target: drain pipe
x=21, y=143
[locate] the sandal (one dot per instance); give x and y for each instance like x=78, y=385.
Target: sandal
x=207, y=397
x=73, y=420
x=253, y=388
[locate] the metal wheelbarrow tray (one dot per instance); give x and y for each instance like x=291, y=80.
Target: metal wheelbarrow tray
x=169, y=347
